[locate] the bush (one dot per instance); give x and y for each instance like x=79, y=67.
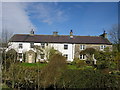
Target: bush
x=79, y=63
x=87, y=78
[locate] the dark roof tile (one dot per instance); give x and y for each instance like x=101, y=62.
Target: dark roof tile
x=59, y=39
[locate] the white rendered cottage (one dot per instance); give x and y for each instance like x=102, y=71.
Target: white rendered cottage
x=68, y=45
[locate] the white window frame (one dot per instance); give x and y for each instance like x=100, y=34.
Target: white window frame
x=20, y=45
x=102, y=47
x=20, y=55
x=66, y=55
x=65, y=45
x=43, y=56
x=82, y=56
x=32, y=45
x=82, y=47
x=42, y=45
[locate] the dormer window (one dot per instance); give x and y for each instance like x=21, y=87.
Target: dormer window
x=102, y=47
x=82, y=47
x=20, y=45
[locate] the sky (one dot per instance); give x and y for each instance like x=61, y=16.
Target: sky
x=84, y=18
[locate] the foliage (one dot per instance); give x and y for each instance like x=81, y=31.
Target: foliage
x=72, y=67
x=87, y=78
x=52, y=72
x=20, y=76
x=9, y=57
x=33, y=64
x=52, y=51
x=117, y=60
x=89, y=51
x=105, y=59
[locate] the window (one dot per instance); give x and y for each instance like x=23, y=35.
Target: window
x=42, y=56
x=43, y=45
x=20, y=55
x=82, y=47
x=102, y=47
x=31, y=45
x=65, y=46
x=46, y=44
x=82, y=57
x=20, y=45
x=66, y=55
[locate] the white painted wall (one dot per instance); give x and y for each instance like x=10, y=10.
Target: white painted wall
x=69, y=51
x=58, y=46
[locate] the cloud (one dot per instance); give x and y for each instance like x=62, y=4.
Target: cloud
x=49, y=13
x=14, y=18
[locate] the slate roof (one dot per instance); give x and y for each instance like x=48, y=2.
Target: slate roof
x=59, y=39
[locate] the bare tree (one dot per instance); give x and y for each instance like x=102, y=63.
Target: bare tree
x=5, y=36
x=114, y=35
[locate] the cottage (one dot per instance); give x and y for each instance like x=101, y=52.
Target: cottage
x=69, y=45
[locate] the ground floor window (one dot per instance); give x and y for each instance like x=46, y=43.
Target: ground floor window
x=82, y=57
x=66, y=55
x=20, y=55
x=42, y=56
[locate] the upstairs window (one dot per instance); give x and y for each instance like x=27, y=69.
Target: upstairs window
x=31, y=45
x=20, y=45
x=43, y=45
x=82, y=57
x=65, y=47
x=82, y=47
x=102, y=47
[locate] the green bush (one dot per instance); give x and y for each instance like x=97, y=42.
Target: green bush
x=79, y=63
x=87, y=78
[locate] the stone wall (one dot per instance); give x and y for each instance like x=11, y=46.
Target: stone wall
x=95, y=46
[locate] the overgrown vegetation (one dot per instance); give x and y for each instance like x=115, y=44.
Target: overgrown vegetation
x=58, y=74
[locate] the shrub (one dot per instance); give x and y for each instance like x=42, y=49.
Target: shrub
x=81, y=63
x=87, y=78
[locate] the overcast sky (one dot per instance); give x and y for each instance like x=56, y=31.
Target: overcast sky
x=83, y=18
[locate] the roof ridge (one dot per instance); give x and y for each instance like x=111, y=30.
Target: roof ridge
x=56, y=35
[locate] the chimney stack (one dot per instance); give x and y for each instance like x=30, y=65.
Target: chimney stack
x=71, y=34
x=55, y=33
x=104, y=35
x=32, y=32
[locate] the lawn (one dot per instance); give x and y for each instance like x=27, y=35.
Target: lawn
x=33, y=64
x=43, y=64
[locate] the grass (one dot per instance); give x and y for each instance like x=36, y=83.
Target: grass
x=72, y=67
x=33, y=64
x=5, y=87
x=43, y=65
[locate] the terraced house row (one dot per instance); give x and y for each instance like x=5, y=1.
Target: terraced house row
x=69, y=45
